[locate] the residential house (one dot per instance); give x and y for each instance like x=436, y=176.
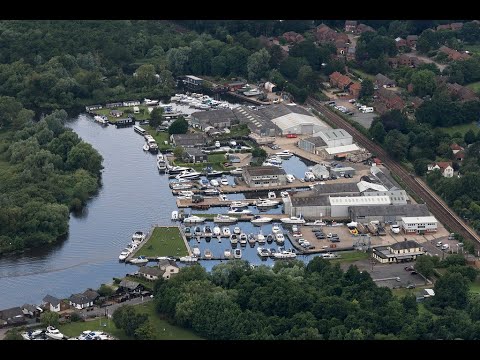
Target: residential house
x=351, y=53
x=340, y=81
x=361, y=28
x=31, y=311
x=116, y=113
x=456, y=148
x=444, y=27
x=387, y=100
x=113, y=105
x=169, y=267
x=405, y=60
x=194, y=155
x=460, y=92
x=342, y=46
x=264, y=176
x=354, y=89
x=383, y=81
x=84, y=300
x=52, y=303
x=459, y=156
x=150, y=273
x=412, y=41
x=399, y=42
x=350, y=25
x=193, y=80
x=131, y=103
x=12, y=316
x=393, y=62
x=419, y=225
x=293, y=37
x=453, y=54
x=324, y=35
x=235, y=85
x=188, y=140
x=130, y=287
x=93, y=107
x=456, y=26
x=445, y=168
x=407, y=250
x=220, y=119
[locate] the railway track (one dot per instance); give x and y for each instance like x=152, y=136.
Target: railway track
x=435, y=204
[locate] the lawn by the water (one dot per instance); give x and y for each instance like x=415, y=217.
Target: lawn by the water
x=165, y=241
x=461, y=128
x=351, y=256
x=141, y=116
x=164, y=330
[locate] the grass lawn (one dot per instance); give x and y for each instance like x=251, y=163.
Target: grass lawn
x=164, y=330
x=141, y=116
x=461, y=128
x=475, y=87
x=473, y=48
x=362, y=74
x=351, y=256
x=147, y=283
x=214, y=160
x=165, y=241
x=475, y=287
x=159, y=136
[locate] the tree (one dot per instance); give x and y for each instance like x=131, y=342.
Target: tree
x=146, y=331
x=420, y=166
x=126, y=318
x=396, y=144
x=179, y=126
x=178, y=152
x=394, y=119
x=367, y=89
x=470, y=137
x=84, y=156
x=156, y=117
x=105, y=290
x=424, y=266
x=423, y=82
x=258, y=64
x=13, y=334
x=451, y=290
x=49, y=318
x=377, y=131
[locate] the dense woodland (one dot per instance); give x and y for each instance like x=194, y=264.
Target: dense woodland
x=316, y=301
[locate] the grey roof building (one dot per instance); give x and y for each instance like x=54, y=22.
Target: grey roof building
x=221, y=118
x=312, y=144
x=387, y=213
x=51, y=300
x=188, y=140
x=264, y=176
x=129, y=284
x=337, y=188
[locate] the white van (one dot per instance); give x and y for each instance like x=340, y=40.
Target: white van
x=445, y=246
x=290, y=178
x=367, y=110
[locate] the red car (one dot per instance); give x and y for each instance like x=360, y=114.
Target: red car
x=291, y=136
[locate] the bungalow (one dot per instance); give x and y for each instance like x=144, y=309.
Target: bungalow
x=31, y=311
x=405, y=60
x=130, y=287
x=456, y=148
x=12, y=316
x=131, y=103
x=194, y=155
x=79, y=301
x=293, y=37
x=116, y=113
x=460, y=92
x=188, y=140
x=113, y=105
x=340, y=81
x=150, y=273
x=220, y=119
x=383, y=81
x=169, y=267
x=52, y=303
x=350, y=26
x=407, y=250
x=93, y=107
x=412, y=41
x=354, y=89
x=445, y=168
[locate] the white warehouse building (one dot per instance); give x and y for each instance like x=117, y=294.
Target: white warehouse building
x=339, y=205
x=336, y=137
x=419, y=225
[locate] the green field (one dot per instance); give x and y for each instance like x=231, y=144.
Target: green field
x=475, y=287
x=214, y=160
x=475, y=87
x=351, y=256
x=461, y=128
x=164, y=330
x=165, y=241
x=473, y=48
x=141, y=116
x=160, y=137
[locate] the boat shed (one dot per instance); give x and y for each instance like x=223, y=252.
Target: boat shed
x=340, y=205
x=344, y=149
x=386, y=213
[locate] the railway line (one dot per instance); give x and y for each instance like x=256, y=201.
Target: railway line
x=435, y=204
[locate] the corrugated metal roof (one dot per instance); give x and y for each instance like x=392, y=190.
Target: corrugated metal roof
x=342, y=149
x=359, y=200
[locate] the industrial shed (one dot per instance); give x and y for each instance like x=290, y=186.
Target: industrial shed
x=387, y=213
x=336, y=137
x=310, y=207
x=340, y=205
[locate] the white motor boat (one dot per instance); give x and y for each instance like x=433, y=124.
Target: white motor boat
x=316, y=223
x=207, y=254
x=188, y=259
x=309, y=176
x=188, y=175
x=224, y=181
x=284, y=194
x=280, y=238
x=239, y=211
x=207, y=232
x=216, y=231
x=186, y=193
x=181, y=186
x=194, y=219
x=257, y=219
x=269, y=163
x=261, y=238
x=271, y=195
x=285, y=254
x=139, y=260
x=124, y=254
x=290, y=178
x=233, y=239
x=293, y=220
x=226, y=231
x=214, y=182
x=284, y=154
x=276, y=229
x=224, y=219
x=265, y=203
x=174, y=215
x=161, y=165
x=138, y=236
x=227, y=253
x=172, y=170
x=236, y=230
x=102, y=119
x=239, y=204
x=237, y=253
x=146, y=147
x=211, y=192
x=237, y=171
x=196, y=251
x=54, y=333
x=243, y=239
x=263, y=252
x=213, y=173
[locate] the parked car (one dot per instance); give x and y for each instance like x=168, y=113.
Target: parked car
x=291, y=136
x=409, y=268
x=413, y=273
x=410, y=286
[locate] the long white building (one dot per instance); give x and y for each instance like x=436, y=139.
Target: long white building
x=339, y=205
x=419, y=225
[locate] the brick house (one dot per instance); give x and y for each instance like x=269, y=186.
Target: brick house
x=361, y=28
x=388, y=100
x=399, y=42
x=412, y=41
x=460, y=92
x=293, y=37
x=456, y=148
x=350, y=25
x=354, y=89
x=453, y=54
x=445, y=168
x=383, y=81
x=340, y=81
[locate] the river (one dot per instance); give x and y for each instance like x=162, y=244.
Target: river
x=134, y=196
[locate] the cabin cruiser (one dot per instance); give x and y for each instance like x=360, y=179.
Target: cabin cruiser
x=188, y=259
x=276, y=229
x=239, y=204
x=102, y=119
x=280, y=238
x=213, y=173
x=186, y=193
x=181, y=186
x=226, y=231
x=224, y=181
x=224, y=219
x=316, y=223
x=237, y=171
x=31, y=335
x=237, y=253
x=239, y=211
x=263, y=252
x=174, y=215
x=211, y=192
x=233, y=239
x=197, y=231
x=286, y=154
x=161, y=162
x=124, y=254
x=138, y=236
x=293, y=220
x=243, y=239
x=271, y=195
x=145, y=147
x=236, y=230
x=290, y=178
x=261, y=238
x=188, y=232
x=177, y=169
x=227, y=253
x=309, y=176
x=270, y=238
x=139, y=260
x=269, y=163
x=188, y=175
x=257, y=219
x=196, y=251
x=207, y=254
x=251, y=239
x=216, y=231
x=207, y=231
x=264, y=203
x=275, y=159
x=284, y=194
x=285, y=254
x=194, y=219
x=214, y=182
x=54, y=333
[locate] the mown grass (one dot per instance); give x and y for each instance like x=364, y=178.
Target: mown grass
x=140, y=116
x=351, y=256
x=475, y=87
x=461, y=128
x=165, y=241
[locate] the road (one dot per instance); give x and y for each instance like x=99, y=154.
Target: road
x=435, y=204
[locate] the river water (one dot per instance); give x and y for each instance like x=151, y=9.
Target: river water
x=134, y=196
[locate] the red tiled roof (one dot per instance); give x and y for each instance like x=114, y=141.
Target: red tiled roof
x=443, y=164
x=456, y=147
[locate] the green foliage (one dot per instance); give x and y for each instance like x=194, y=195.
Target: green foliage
x=396, y=144
x=451, y=290
x=49, y=318
x=178, y=152
x=146, y=331
x=105, y=290
x=13, y=334
x=179, y=126
x=258, y=64
x=424, y=265
x=132, y=322
x=423, y=82
x=75, y=317
x=156, y=117
x=366, y=89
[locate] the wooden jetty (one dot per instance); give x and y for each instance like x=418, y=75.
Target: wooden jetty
x=215, y=202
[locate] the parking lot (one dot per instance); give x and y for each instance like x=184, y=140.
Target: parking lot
x=389, y=275
x=364, y=119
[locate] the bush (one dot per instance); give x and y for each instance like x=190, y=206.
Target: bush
x=117, y=280
x=75, y=317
